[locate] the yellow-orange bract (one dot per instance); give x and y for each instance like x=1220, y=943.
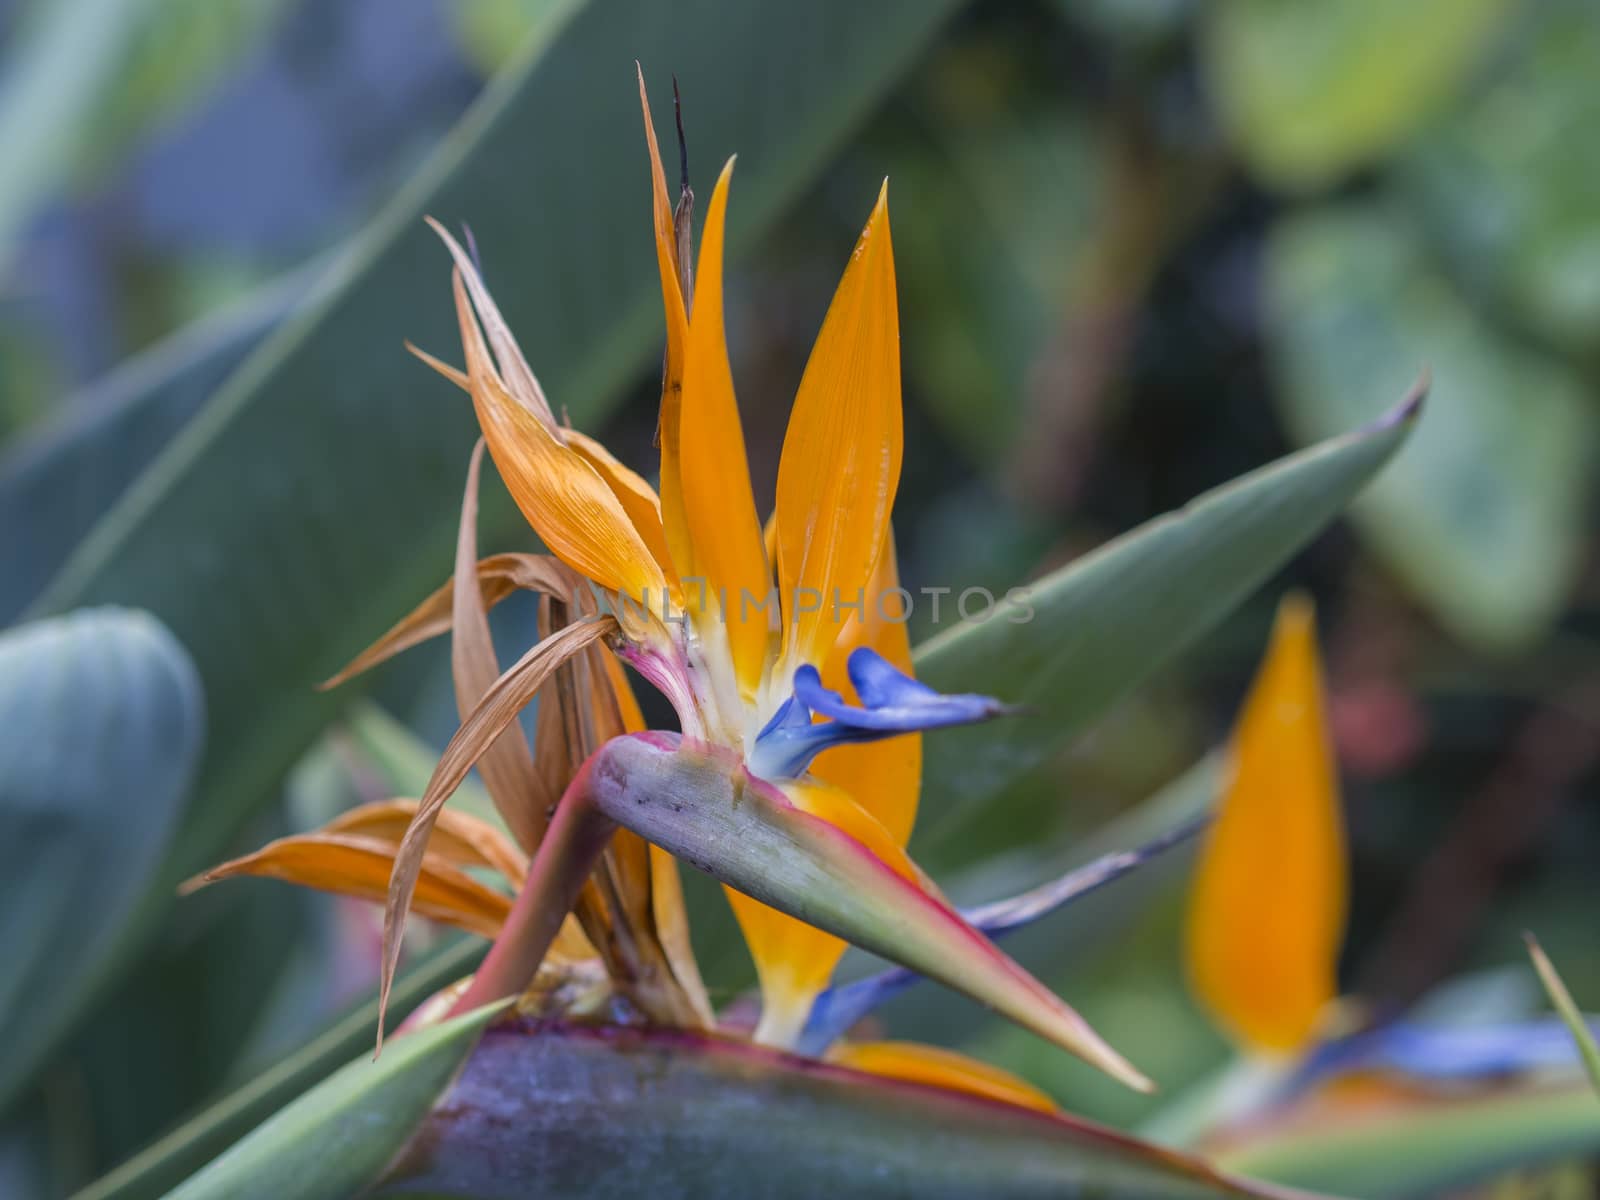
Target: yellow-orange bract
x=830, y=532
x=841, y=456
x=1267, y=914
x=723, y=528
x=938, y=1067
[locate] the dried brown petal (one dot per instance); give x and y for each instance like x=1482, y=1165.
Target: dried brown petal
x=498, y=708
x=506, y=767
x=513, y=367
x=498, y=576
x=458, y=838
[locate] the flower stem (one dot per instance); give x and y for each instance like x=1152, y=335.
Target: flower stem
x=566, y=857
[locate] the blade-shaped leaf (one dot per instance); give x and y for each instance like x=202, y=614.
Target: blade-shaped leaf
x=159, y=1168
x=1485, y=518
x=322, y=470
x=101, y=723
x=1310, y=91
x=62, y=477
x=1091, y=632
x=603, y=1113
x=336, y=1139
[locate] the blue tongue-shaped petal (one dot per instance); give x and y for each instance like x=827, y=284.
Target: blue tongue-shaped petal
x=891, y=703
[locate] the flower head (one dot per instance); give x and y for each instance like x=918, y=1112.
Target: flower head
x=796, y=774
x=751, y=635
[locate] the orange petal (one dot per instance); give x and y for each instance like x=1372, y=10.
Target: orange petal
x=884, y=777
x=795, y=961
x=1266, y=916
x=359, y=866
x=675, y=522
x=562, y=496
x=637, y=497
x=937, y=1067
x=841, y=455
x=458, y=838
x=459, y=378
x=716, y=480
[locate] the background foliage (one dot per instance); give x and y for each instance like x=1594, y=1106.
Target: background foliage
x=1143, y=246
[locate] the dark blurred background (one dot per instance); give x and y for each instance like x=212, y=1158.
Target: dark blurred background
x=1142, y=247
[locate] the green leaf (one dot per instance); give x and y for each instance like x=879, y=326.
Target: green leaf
x=1510, y=183
x=1310, y=91
x=57, y=74
x=489, y=31
x=314, y=499
x=100, y=728
x=63, y=476
x=611, y=1113
x=1484, y=517
x=336, y=1139
x=1568, y=1008
x=1428, y=1148
x=1088, y=634
x=159, y=1168
x=405, y=762
x=989, y=256
x=175, y=52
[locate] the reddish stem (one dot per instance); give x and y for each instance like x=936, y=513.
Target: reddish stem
x=566, y=857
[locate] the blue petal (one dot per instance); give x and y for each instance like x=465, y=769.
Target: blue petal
x=839, y=1008
x=1443, y=1053
x=891, y=703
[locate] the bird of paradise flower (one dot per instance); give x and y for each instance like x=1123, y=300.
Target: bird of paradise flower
x=800, y=717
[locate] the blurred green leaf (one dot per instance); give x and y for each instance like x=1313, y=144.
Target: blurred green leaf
x=56, y=77
x=313, y=501
x=1088, y=634
x=162, y=1166
x=1138, y=23
x=333, y=1141
x=1483, y=517
x=174, y=1028
x=63, y=476
x=89, y=76
x=1510, y=183
x=101, y=724
x=1426, y=1148
x=405, y=762
x=607, y=1114
x=490, y=31
x=177, y=49
x=1309, y=91
x=987, y=257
